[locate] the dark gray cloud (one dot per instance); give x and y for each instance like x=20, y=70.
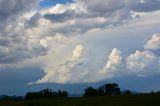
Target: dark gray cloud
x=103, y=6
x=19, y=52
x=114, y=5
x=143, y=5
x=15, y=46
x=10, y=8
x=33, y=21
x=60, y=17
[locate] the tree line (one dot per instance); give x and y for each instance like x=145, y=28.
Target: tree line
x=110, y=89
x=46, y=93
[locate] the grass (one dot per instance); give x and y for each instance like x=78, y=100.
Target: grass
x=130, y=100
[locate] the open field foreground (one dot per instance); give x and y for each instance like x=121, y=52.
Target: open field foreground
x=128, y=100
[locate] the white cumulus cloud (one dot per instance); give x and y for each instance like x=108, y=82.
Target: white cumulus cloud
x=142, y=63
x=154, y=42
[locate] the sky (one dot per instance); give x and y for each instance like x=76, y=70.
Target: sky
x=73, y=44
x=50, y=3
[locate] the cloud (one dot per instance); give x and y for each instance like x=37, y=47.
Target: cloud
x=17, y=46
x=49, y=34
x=153, y=43
x=144, y=63
x=114, y=5
x=64, y=72
x=114, y=61
x=113, y=66
x=108, y=6
x=140, y=60
x=72, y=69
x=24, y=28
x=143, y=5
x=77, y=52
x=12, y=8
x=141, y=63
x=14, y=46
x=81, y=15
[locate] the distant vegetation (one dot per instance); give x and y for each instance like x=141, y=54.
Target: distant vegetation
x=11, y=98
x=108, y=94
x=46, y=93
x=105, y=90
x=110, y=89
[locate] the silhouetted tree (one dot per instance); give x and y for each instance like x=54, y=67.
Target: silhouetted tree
x=64, y=94
x=111, y=89
x=101, y=91
x=90, y=92
x=105, y=90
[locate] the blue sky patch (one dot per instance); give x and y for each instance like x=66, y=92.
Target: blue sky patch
x=48, y=3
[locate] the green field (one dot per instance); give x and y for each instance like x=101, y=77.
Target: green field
x=130, y=100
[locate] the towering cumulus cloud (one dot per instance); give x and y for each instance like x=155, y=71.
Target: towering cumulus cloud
x=113, y=66
x=64, y=72
x=114, y=61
